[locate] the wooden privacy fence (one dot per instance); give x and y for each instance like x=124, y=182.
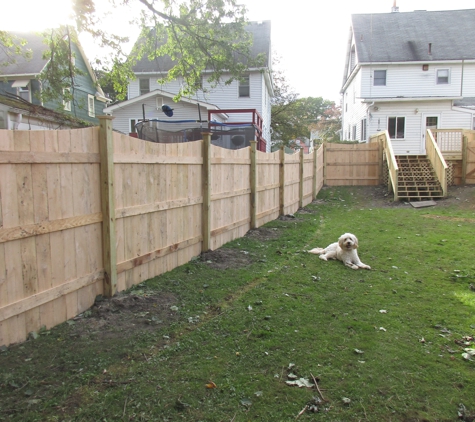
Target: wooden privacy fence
x=90, y=211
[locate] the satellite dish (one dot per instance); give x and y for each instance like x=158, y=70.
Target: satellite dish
x=167, y=110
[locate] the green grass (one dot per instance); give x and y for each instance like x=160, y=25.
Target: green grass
x=305, y=311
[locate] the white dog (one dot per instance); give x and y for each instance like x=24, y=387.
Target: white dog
x=343, y=250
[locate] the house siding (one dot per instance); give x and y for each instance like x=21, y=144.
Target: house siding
x=409, y=80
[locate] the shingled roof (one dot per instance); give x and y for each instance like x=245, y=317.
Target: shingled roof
x=261, y=33
x=405, y=36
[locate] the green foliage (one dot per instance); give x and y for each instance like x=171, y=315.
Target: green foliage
x=58, y=76
x=12, y=47
x=197, y=35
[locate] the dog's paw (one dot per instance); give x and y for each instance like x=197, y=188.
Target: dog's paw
x=324, y=257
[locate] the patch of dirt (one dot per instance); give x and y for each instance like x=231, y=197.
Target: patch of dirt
x=263, y=234
x=223, y=259
x=117, y=316
x=378, y=197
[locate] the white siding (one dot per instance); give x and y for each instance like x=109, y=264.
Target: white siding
x=411, y=81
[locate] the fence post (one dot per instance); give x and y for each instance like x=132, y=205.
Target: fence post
x=314, y=181
x=253, y=180
x=109, y=251
x=281, y=180
x=464, y=158
x=206, y=176
x=301, y=179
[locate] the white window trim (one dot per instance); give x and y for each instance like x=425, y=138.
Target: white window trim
x=91, y=106
x=387, y=126
x=437, y=76
x=385, y=78
x=67, y=104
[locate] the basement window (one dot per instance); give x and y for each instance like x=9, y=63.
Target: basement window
x=396, y=127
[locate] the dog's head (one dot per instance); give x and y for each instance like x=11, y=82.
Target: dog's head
x=348, y=241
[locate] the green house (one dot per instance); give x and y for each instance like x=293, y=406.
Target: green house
x=82, y=98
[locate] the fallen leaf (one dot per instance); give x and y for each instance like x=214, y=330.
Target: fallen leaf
x=301, y=382
x=211, y=385
x=360, y=352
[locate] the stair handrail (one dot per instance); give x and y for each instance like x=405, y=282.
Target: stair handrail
x=437, y=160
x=393, y=168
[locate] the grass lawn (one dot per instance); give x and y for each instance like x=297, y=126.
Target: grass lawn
x=218, y=339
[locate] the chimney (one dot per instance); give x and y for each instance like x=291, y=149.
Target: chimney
x=394, y=9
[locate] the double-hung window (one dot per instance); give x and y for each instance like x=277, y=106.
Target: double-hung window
x=397, y=127
x=443, y=76
x=144, y=85
x=90, y=106
x=244, y=87
x=379, y=78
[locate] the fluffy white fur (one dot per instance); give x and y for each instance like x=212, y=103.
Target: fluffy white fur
x=344, y=250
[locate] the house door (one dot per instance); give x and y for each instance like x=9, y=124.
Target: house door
x=429, y=122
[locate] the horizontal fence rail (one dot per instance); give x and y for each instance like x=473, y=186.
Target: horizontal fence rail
x=90, y=211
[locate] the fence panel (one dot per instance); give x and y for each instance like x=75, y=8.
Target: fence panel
x=268, y=166
x=230, y=194
x=470, y=175
x=307, y=179
x=352, y=165
x=50, y=228
x=291, y=183
x=158, y=207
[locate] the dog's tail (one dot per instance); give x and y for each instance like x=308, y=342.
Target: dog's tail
x=316, y=251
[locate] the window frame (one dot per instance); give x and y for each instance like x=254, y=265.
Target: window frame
x=379, y=78
x=91, y=106
x=66, y=104
x=363, y=130
x=142, y=90
x=442, y=80
x=397, y=121
x=244, y=88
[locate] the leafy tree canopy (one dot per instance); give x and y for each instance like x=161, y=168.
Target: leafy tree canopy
x=294, y=118
x=196, y=35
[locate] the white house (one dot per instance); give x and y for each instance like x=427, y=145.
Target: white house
x=406, y=72
x=254, y=92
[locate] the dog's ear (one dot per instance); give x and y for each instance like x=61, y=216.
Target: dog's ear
x=355, y=239
x=341, y=241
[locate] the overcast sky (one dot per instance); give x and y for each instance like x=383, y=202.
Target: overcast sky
x=309, y=36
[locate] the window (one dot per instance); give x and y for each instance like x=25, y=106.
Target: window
x=379, y=78
x=443, y=76
x=244, y=87
x=353, y=134
x=90, y=106
x=363, y=130
x=396, y=127
x=144, y=85
x=23, y=88
x=66, y=99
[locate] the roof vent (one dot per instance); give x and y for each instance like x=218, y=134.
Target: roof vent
x=394, y=9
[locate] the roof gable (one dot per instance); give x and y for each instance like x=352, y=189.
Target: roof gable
x=402, y=37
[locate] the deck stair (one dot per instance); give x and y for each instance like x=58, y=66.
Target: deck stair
x=417, y=180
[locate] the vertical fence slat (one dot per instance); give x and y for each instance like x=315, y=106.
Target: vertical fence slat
x=253, y=180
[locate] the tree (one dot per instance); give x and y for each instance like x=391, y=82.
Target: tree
x=197, y=35
x=328, y=126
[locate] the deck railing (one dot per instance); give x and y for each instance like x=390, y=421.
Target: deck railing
x=436, y=158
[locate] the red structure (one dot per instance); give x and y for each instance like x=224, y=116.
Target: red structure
x=255, y=121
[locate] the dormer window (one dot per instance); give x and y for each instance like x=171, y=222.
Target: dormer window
x=379, y=78
x=443, y=76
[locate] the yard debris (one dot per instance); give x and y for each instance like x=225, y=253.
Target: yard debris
x=346, y=400
x=383, y=311
x=301, y=382
x=211, y=385
x=470, y=353
x=359, y=352
x=246, y=402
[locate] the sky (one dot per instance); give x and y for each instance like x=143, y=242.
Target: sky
x=309, y=36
